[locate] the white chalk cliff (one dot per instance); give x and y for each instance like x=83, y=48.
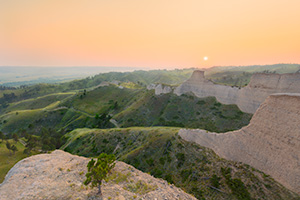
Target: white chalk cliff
x=249, y=98
x=270, y=143
x=160, y=88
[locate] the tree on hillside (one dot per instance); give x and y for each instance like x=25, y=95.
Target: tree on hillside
x=8, y=146
x=2, y=136
x=31, y=143
x=114, y=105
x=98, y=171
x=14, y=148
x=15, y=137
x=22, y=132
x=102, y=121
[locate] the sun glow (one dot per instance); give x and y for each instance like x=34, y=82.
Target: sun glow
x=153, y=34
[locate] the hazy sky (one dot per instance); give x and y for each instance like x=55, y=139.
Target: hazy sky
x=149, y=33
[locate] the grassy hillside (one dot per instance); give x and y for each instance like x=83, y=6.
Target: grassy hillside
x=141, y=77
x=56, y=111
x=231, y=78
x=39, y=102
x=103, y=99
x=136, y=79
x=137, y=107
x=278, y=68
x=75, y=104
x=240, y=75
x=182, y=111
x=161, y=152
x=157, y=150
x=230, y=75
x=29, y=92
x=34, y=120
x=41, y=111
x=8, y=159
x=128, y=105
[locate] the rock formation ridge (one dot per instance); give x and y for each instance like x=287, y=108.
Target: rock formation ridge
x=249, y=98
x=160, y=88
x=270, y=143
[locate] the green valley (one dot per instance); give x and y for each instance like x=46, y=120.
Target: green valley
x=115, y=113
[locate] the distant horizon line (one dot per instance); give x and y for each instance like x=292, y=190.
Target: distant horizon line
x=150, y=68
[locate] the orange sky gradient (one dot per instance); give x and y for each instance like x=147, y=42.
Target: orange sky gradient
x=156, y=34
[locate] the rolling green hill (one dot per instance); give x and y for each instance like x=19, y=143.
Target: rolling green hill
x=128, y=106
x=103, y=99
x=39, y=102
x=8, y=159
x=122, y=100
x=162, y=153
x=183, y=111
x=230, y=75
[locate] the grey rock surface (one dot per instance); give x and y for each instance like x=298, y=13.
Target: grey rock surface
x=160, y=88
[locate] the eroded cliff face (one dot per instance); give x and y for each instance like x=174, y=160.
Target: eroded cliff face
x=279, y=83
x=60, y=175
x=160, y=88
x=249, y=98
x=270, y=143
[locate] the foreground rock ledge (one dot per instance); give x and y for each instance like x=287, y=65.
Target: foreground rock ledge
x=270, y=143
x=59, y=175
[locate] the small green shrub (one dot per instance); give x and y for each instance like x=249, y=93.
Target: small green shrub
x=215, y=181
x=140, y=187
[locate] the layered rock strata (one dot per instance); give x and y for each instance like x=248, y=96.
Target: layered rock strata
x=249, y=98
x=270, y=143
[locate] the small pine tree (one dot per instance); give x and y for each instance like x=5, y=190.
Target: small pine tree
x=215, y=181
x=97, y=171
x=15, y=137
x=8, y=146
x=27, y=151
x=14, y=149
x=2, y=136
x=31, y=143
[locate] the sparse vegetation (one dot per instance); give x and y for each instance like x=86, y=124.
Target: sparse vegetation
x=118, y=177
x=162, y=153
x=43, y=113
x=7, y=159
x=102, y=104
x=140, y=187
x=164, y=110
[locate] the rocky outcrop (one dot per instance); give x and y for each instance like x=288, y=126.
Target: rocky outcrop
x=160, y=88
x=270, y=143
x=249, y=98
x=60, y=175
x=103, y=83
